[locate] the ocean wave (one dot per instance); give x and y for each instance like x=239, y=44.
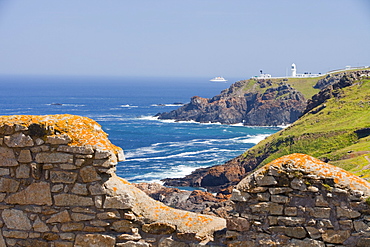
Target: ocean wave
x=251, y=138
x=178, y=155
x=128, y=106
x=173, y=104
x=62, y=104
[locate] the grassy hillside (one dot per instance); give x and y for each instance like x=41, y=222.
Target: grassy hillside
x=303, y=85
x=329, y=132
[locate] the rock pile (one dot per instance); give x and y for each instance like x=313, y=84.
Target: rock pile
x=58, y=188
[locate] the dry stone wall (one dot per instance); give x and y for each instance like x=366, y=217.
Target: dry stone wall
x=298, y=200
x=58, y=188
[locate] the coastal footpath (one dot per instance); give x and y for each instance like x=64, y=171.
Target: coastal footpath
x=59, y=188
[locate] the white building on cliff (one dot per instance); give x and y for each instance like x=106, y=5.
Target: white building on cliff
x=306, y=74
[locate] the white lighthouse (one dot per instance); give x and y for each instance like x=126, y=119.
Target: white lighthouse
x=294, y=70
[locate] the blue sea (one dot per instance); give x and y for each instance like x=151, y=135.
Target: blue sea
x=125, y=108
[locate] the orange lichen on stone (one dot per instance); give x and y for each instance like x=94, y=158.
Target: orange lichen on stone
x=123, y=180
x=82, y=130
x=315, y=166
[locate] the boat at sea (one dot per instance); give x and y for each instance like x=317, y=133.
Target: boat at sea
x=218, y=79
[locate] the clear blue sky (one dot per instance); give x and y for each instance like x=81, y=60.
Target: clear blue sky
x=232, y=38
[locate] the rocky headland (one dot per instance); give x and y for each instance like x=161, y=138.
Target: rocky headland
x=335, y=128
x=250, y=102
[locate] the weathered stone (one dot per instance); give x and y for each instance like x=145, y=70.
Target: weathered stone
x=346, y=224
x=120, y=155
x=7, y=157
x=123, y=201
x=264, y=197
x=294, y=232
x=306, y=243
x=58, y=139
x=49, y=236
x=237, y=224
x=36, y=193
x=108, y=215
x=16, y=219
x=313, y=189
x=57, y=188
x=36, y=170
x=99, y=223
x=25, y=156
x=67, y=167
x=320, y=212
x=266, y=181
x=363, y=242
x=298, y=184
x=18, y=140
x=71, y=227
x=80, y=189
x=15, y=234
x=63, y=244
x=92, y=240
x=279, y=199
x=89, y=174
x=290, y=211
x=321, y=202
x=82, y=217
x=239, y=196
x=40, y=226
x=72, y=200
x=159, y=228
x=335, y=237
x=360, y=226
x=129, y=237
x=76, y=149
x=54, y=158
x=8, y=185
x=67, y=236
x=98, y=201
x=142, y=244
x=107, y=163
x=313, y=232
x=169, y=242
x=61, y=217
x=291, y=221
x=23, y=171
x=348, y=213
x=63, y=177
x=79, y=162
x=122, y=226
x=96, y=189
x=258, y=189
x=102, y=154
x=4, y=171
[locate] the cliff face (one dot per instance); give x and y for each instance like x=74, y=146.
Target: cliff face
x=257, y=103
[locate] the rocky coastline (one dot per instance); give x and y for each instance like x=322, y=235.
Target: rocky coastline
x=220, y=177
x=250, y=102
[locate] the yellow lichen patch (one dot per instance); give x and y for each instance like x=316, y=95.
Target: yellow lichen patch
x=82, y=130
x=123, y=180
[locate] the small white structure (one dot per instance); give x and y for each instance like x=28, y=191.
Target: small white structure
x=294, y=73
x=294, y=70
x=264, y=76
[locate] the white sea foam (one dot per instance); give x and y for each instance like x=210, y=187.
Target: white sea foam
x=128, y=106
x=167, y=105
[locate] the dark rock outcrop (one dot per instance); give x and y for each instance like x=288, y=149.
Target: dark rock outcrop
x=263, y=104
x=331, y=87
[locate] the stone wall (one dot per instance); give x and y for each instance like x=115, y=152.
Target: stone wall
x=58, y=188
x=298, y=200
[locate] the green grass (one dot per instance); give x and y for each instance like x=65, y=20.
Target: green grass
x=328, y=134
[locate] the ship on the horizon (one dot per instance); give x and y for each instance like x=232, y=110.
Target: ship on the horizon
x=218, y=79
